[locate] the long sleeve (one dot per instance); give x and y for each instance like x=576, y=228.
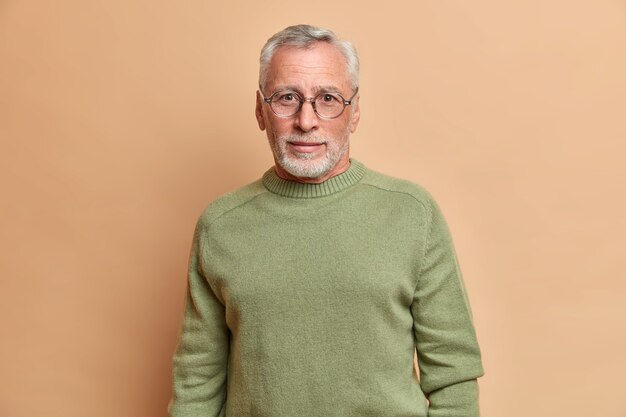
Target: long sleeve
x=448, y=353
x=201, y=358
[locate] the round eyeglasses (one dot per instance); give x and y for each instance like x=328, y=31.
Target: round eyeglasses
x=286, y=103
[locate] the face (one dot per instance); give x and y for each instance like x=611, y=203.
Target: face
x=307, y=148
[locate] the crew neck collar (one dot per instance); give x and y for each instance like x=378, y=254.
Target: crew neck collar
x=294, y=189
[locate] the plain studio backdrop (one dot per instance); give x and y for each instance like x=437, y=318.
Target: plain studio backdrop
x=121, y=120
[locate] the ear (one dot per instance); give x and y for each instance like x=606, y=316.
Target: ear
x=259, y=111
x=356, y=114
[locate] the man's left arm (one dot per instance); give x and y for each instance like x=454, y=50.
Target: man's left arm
x=448, y=353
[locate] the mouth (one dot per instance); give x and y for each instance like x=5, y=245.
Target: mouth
x=306, y=147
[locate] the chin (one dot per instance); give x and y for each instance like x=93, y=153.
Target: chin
x=306, y=168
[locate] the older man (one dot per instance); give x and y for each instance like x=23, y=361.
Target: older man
x=310, y=289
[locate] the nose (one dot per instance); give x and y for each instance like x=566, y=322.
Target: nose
x=306, y=119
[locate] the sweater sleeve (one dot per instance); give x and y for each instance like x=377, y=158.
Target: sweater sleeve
x=448, y=353
x=201, y=357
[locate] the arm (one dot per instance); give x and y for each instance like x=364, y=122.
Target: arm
x=448, y=353
x=201, y=358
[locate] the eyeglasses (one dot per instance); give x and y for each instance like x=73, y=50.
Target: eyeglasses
x=286, y=103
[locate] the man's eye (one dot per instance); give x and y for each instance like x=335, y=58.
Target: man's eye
x=287, y=97
x=328, y=98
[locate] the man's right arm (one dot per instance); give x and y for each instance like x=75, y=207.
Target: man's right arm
x=201, y=358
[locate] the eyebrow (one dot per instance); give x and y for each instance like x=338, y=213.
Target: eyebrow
x=316, y=90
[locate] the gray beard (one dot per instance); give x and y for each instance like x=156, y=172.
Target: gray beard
x=300, y=164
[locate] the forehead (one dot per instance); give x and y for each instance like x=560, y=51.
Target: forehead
x=307, y=69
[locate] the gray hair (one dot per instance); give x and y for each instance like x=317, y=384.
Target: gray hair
x=304, y=36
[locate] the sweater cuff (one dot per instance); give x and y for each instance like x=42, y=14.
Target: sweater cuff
x=458, y=400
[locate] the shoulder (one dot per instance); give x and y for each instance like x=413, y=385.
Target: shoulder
x=230, y=201
x=399, y=187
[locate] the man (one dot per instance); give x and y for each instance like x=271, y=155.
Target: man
x=310, y=289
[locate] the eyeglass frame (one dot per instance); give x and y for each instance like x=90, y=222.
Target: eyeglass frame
x=311, y=100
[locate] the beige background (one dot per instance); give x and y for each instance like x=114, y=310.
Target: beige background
x=120, y=120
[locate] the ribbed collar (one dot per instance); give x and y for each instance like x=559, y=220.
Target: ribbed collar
x=294, y=189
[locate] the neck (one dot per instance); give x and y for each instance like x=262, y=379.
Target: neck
x=296, y=189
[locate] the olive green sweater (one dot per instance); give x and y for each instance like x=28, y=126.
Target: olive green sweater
x=308, y=300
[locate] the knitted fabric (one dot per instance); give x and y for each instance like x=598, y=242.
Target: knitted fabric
x=309, y=300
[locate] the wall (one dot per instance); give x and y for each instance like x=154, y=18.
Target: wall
x=121, y=120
